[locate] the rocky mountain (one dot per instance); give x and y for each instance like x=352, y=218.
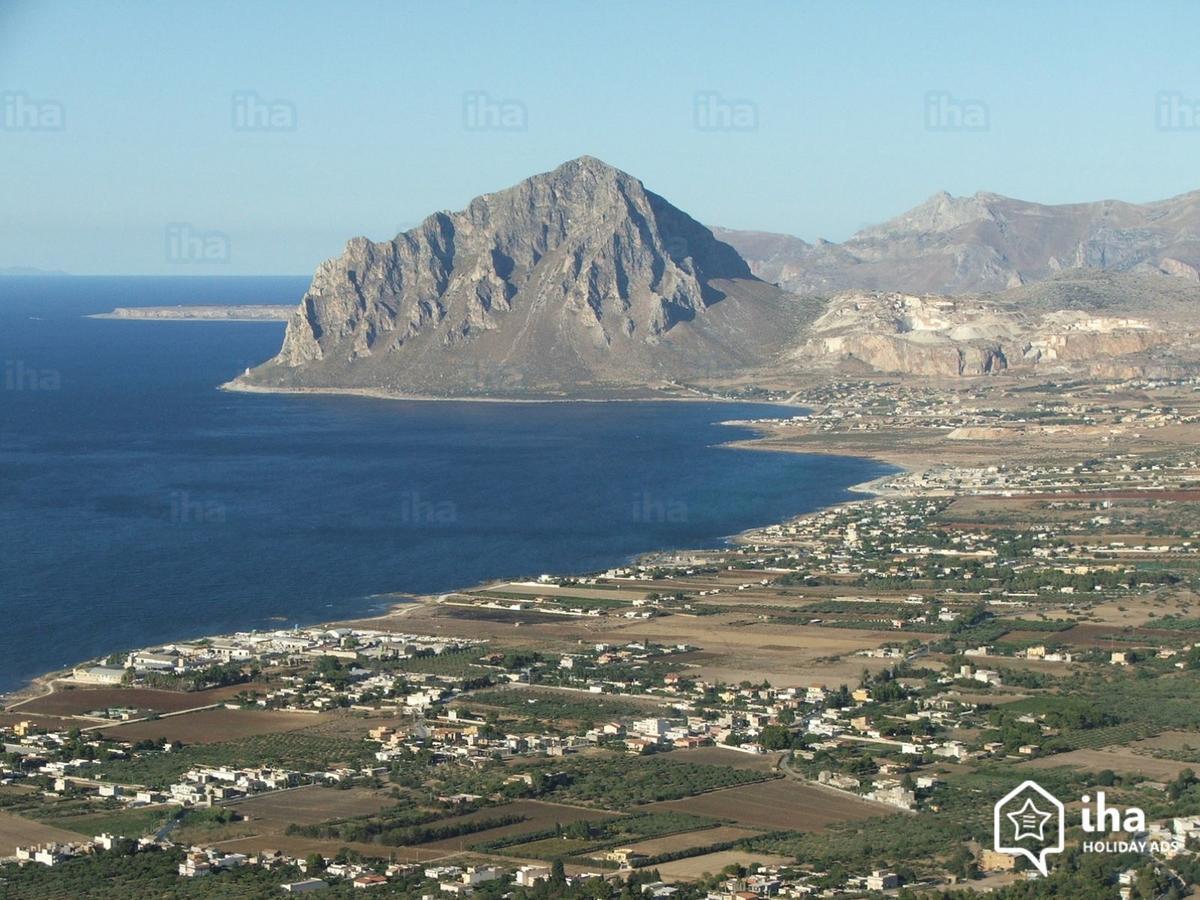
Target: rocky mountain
x=956, y=245
x=574, y=282
x=1099, y=323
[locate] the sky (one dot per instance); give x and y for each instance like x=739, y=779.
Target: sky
x=209, y=138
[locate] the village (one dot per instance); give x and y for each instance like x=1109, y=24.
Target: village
x=714, y=723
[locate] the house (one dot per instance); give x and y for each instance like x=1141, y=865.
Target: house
x=893, y=793
x=882, y=881
x=994, y=861
x=530, y=875
x=153, y=662
x=624, y=856
x=370, y=880
x=99, y=675
x=651, y=727
x=480, y=874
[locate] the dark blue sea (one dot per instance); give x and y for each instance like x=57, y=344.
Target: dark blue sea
x=139, y=504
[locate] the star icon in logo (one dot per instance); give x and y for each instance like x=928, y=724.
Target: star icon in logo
x=1028, y=821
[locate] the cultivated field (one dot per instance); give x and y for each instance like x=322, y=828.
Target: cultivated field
x=539, y=817
x=211, y=726
x=309, y=805
x=704, y=838
x=15, y=831
x=711, y=863
x=74, y=701
x=1122, y=759
x=720, y=756
x=776, y=805
x=1169, y=740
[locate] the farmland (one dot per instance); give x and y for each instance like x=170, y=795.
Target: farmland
x=77, y=701
x=212, y=726
x=309, y=805
x=703, y=838
x=538, y=817
x=1122, y=760
x=695, y=867
x=15, y=830
x=777, y=806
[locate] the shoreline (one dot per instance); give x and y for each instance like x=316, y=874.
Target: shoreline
x=867, y=490
x=236, y=386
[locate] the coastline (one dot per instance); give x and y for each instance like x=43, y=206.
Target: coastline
x=236, y=386
x=242, y=319
x=867, y=490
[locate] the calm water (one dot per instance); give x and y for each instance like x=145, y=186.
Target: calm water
x=138, y=503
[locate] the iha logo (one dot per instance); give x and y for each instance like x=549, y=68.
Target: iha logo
x=1029, y=821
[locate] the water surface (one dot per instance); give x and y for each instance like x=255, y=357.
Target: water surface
x=139, y=504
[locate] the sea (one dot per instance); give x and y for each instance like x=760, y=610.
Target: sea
x=139, y=504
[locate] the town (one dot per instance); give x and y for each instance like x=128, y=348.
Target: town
x=824, y=707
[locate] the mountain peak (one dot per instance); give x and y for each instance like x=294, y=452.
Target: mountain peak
x=574, y=276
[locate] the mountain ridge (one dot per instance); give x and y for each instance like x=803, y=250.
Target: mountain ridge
x=574, y=280
x=984, y=242
x=581, y=283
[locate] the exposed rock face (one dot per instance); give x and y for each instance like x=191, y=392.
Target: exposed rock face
x=575, y=281
x=955, y=245
x=1095, y=325
x=580, y=282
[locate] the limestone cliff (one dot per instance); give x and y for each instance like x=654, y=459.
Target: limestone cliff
x=576, y=281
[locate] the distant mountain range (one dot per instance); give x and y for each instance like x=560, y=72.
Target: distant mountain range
x=580, y=282
x=956, y=245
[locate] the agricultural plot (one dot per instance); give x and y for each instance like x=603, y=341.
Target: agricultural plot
x=623, y=782
x=695, y=867
x=538, y=817
x=1122, y=760
x=212, y=726
x=309, y=805
x=127, y=822
x=591, y=836
x=777, y=806
x=705, y=838
x=16, y=831
x=77, y=701
x=722, y=756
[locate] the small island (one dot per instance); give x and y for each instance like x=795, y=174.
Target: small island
x=247, y=313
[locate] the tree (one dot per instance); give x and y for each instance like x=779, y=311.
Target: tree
x=775, y=737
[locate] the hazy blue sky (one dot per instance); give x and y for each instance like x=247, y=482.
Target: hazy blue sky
x=256, y=137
